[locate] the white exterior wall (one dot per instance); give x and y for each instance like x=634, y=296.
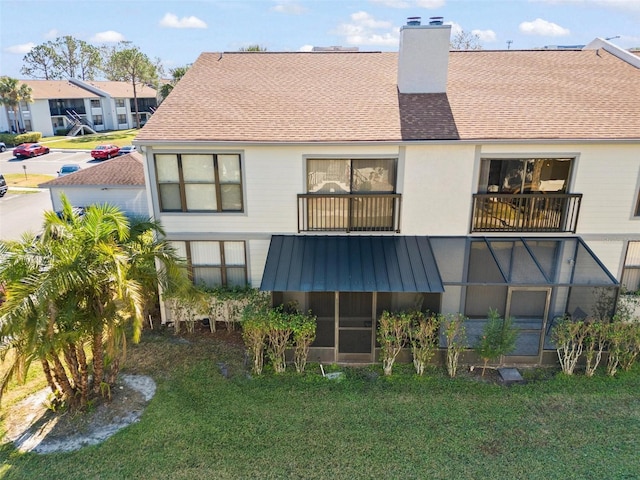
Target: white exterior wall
x=131, y=200
x=41, y=117
x=436, y=189
x=436, y=181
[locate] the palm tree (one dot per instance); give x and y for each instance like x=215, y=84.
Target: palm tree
x=11, y=94
x=79, y=286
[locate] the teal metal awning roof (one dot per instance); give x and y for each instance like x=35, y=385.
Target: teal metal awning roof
x=351, y=264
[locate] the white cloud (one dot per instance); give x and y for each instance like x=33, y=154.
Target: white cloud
x=288, y=7
x=52, y=34
x=543, y=28
x=431, y=4
x=172, y=21
x=110, y=36
x=306, y=48
x=485, y=36
x=21, y=49
x=456, y=28
x=628, y=5
x=364, y=29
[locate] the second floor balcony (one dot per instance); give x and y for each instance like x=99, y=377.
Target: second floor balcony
x=528, y=212
x=370, y=212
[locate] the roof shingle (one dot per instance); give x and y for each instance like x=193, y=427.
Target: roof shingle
x=353, y=97
x=126, y=170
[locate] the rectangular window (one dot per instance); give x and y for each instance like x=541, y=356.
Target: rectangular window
x=95, y=103
x=122, y=119
x=631, y=270
x=213, y=263
x=371, y=175
x=97, y=119
x=351, y=194
x=524, y=175
x=120, y=102
x=199, y=182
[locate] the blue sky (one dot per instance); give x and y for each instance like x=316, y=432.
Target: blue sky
x=177, y=31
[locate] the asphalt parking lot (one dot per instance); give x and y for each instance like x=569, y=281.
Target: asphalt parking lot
x=48, y=164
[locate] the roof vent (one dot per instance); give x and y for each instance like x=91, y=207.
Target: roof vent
x=413, y=21
x=436, y=20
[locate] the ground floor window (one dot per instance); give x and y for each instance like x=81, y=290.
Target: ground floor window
x=122, y=119
x=97, y=119
x=215, y=263
x=631, y=271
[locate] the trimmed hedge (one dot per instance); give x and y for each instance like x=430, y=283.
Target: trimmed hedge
x=12, y=139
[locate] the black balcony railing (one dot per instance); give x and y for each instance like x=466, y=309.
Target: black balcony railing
x=371, y=212
x=535, y=212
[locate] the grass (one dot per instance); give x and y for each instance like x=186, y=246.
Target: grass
x=28, y=180
x=87, y=142
x=200, y=425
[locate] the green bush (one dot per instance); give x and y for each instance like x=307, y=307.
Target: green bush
x=423, y=338
x=254, y=334
x=455, y=333
x=392, y=336
x=568, y=337
x=304, y=333
x=61, y=132
x=498, y=338
x=595, y=341
x=29, y=137
x=9, y=139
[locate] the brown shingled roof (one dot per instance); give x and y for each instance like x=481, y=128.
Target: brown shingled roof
x=45, y=89
x=344, y=97
x=126, y=170
x=123, y=89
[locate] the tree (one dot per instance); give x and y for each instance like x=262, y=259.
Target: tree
x=176, y=75
x=79, y=287
x=76, y=58
x=12, y=92
x=65, y=57
x=465, y=41
x=498, y=338
x=253, y=48
x=127, y=63
x=40, y=63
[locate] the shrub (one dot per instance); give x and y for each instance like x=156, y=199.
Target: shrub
x=60, y=132
x=279, y=330
x=498, y=338
x=392, y=336
x=254, y=334
x=595, y=341
x=29, y=137
x=624, y=346
x=423, y=338
x=456, y=337
x=226, y=304
x=304, y=333
x=568, y=337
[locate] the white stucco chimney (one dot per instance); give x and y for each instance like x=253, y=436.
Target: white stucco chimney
x=423, y=60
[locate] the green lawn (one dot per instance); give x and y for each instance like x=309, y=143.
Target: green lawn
x=117, y=137
x=200, y=425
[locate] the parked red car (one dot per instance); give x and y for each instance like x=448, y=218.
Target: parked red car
x=27, y=150
x=102, y=152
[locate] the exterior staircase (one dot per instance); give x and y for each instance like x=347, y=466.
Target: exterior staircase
x=79, y=125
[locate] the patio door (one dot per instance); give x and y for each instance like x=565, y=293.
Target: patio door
x=355, y=327
x=529, y=308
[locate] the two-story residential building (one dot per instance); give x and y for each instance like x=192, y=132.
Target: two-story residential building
x=358, y=182
x=59, y=105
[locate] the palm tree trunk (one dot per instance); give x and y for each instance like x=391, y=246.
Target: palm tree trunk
x=53, y=385
x=113, y=371
x=62, y=379
x=83, y=376
x=98, y=360
x=72, y=361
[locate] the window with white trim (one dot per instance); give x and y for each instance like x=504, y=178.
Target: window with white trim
x=199, y=182
x=631, y=270
x=214, y=263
